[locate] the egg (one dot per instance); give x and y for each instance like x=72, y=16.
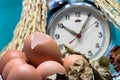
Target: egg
x=23, y=72
x=11, y=64
x=71, y=59
x=49, y=68
x=10, y=54
x=40, y=47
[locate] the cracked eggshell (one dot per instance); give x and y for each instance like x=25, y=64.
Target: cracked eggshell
x=70, y=60
x=40, y=47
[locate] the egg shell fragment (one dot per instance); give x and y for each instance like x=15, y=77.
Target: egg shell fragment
x=40, y=47
x=70, y=60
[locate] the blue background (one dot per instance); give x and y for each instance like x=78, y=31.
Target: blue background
x=10, y=12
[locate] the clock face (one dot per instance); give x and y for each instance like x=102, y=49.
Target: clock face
x=81, y=28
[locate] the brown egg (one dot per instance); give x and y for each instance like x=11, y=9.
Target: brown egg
x=23, y=72
x=10, y=54
x=70, y=60
x=11, y=64
x=49, y=68
x=40, y=47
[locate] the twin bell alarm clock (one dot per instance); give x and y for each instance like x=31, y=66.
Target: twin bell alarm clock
x=80, y=25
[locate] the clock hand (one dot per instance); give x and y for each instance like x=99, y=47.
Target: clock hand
x=89, y=26
x=84, y=25
x=79, y=34
x=72, y=40
x=69, y=30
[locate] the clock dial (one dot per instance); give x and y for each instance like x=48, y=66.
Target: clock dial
x=82, y=29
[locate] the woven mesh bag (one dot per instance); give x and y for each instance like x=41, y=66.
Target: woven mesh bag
x=111, y=9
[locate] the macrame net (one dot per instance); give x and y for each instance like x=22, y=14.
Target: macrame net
x=111, y=9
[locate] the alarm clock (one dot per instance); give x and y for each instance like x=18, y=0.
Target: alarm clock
x=80, y=26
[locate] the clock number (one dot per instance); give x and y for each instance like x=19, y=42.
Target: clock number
x=97, y=24
x=77, y=14
x=97, y=45
x=61, y=46
x=60, y=25
x=100, y=34
x=90, y=53
x=67, y=17
x=57, y=36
